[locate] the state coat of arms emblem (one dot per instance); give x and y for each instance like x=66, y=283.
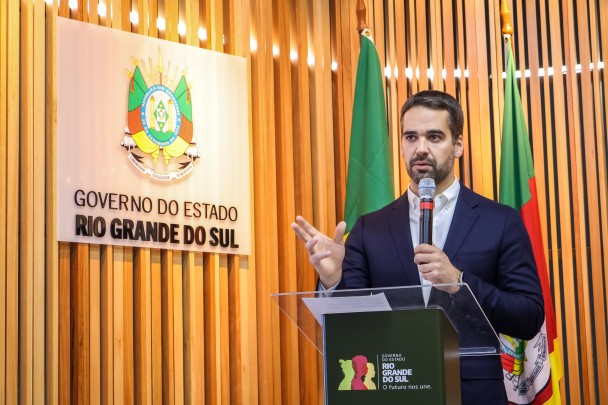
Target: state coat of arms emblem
x=159, y=135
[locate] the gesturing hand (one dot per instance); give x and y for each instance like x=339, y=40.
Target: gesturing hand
x=324, y=253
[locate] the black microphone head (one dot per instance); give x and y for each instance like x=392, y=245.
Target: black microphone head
x=426, y=188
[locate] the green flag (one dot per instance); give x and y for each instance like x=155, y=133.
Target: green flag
x=369, y=183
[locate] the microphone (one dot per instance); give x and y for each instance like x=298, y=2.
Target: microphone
x=426, y=190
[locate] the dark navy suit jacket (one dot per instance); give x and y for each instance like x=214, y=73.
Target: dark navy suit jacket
x=487, y=241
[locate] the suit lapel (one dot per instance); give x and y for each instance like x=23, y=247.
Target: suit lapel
x=463, y=220
x=399, y=224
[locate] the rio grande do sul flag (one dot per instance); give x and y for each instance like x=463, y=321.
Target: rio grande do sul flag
x=533, y=368
x=369, y=182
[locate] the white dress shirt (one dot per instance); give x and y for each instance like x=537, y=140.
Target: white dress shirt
x=443, y=212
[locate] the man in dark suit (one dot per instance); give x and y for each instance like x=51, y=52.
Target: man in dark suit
x=476, y=241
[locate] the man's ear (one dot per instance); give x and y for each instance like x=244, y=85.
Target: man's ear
x=459, y=147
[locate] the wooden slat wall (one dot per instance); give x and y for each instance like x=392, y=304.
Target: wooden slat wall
x=106, y=324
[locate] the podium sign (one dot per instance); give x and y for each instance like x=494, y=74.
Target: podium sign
x=392, y=345
x=391, y=357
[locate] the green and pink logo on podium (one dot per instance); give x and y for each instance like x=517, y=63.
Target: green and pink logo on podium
x=358, y=374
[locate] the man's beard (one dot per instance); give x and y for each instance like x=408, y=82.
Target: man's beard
x=439, y=173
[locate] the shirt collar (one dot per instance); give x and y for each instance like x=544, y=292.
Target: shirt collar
x=446, y=199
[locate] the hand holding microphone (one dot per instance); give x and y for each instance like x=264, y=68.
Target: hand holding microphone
x=432, y=262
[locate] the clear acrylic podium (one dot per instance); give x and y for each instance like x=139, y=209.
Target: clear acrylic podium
x=411, y=339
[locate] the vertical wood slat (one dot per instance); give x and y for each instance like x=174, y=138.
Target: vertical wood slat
x=473, y=102
x=181, y=18
x=409, y=27
x=519, y=52
x=264, y=188
x=323, y=167
x=11, y=51
x=3, y=192
x=216, y=339
x=290, y=388
x=237, y=359
x=223, y=329
x=436, y=45
x=214, y=26
x=303, y=157
x=376, y=20
x=242, y=277
x=39, y=217
x=486, y=186
x=192, y=22
x=127, y=318
x=323, y=196
x=338, y=99
x=193, y=318
x=194, y=309
x=171, y=16
x=535, y=119
x=496, y=87
x=347, y=63
x=422, y=56
x=117, y=339
x=142, y=327
x=393, y=105
x=399, y=177
x=449, y=59
x=64, y=327
x=210, y=293
x=167, y=301
x=216, y=285
x=249, y=323
x=80, y=323
x=51, y=247
x=26, y=206
x=178, y=331
x=318, y=117
x=94, y=306
x=156, y=327
x=152, y=29
x=145, y=22
x=107, y=325
x=463, y=85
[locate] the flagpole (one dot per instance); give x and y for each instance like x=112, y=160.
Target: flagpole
x=507, y=28
x=361, y=11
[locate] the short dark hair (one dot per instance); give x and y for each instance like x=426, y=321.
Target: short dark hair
x=438, y=100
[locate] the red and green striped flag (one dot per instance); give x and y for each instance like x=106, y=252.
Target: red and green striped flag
x=532, y=368
x=369, y=182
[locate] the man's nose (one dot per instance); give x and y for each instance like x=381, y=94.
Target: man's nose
x=422, y=147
